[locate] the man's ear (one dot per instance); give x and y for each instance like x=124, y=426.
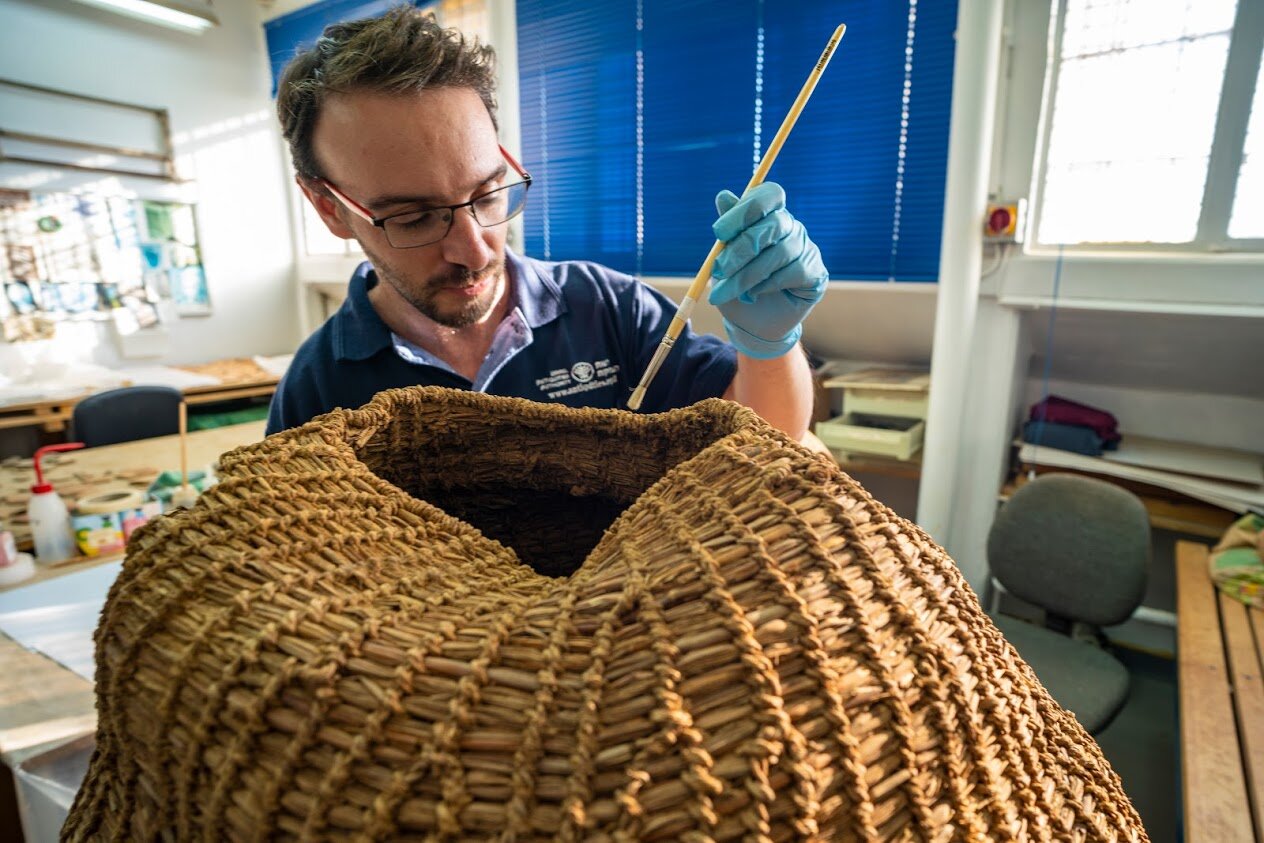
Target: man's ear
x=327, y=207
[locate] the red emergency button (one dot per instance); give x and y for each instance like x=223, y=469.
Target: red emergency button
x=1000, y=221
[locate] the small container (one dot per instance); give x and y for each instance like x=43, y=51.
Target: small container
x=14, y=567
x=134, y=519
x=8, y=549
x=886, y=436
x=23, y=568
x=49, y=517
x=103, y=521
x=889, y=393
x=97, y=534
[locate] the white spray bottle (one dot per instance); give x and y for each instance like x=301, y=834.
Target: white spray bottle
x=50, y=520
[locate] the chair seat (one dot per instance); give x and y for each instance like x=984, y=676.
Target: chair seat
x=1085, y=680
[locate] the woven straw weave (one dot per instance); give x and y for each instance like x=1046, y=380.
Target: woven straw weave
x=736, y=642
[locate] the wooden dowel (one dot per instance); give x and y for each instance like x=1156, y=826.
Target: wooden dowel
x=704, y=274
x=184, y=446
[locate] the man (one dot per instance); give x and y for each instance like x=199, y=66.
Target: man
x=391, y=124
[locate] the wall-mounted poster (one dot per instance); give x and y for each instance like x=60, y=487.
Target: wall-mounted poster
x=171, y=251
x=76, y=256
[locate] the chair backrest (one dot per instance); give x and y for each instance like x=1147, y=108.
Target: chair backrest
x=121, y=415
x=1075, y=546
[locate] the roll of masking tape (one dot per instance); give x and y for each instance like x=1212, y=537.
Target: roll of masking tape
x=115, y=500
x=97, y=521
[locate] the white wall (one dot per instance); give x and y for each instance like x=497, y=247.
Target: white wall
x=1173, y=345
x=216, y=87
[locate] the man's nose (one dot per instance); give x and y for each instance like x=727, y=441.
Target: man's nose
x=466, y=243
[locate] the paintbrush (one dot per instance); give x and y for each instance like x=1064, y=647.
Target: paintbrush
x=704, y=275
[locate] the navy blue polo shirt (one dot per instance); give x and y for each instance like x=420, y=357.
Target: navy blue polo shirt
x=580, y=334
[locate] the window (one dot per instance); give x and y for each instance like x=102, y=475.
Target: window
x=635, y=113
x=1146, y=132
x=317, y=238
x=1247, y=220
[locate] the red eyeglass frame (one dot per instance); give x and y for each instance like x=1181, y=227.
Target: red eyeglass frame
x=367, y=215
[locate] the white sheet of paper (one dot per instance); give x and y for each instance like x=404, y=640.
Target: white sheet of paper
x=1231, y=496
x=1188, y=458
x=57, y=617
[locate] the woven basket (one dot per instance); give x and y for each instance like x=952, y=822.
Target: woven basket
x=723, y=637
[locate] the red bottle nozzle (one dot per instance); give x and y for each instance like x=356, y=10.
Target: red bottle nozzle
x=40, y=486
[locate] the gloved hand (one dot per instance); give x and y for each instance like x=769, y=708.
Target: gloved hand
x=769, y=274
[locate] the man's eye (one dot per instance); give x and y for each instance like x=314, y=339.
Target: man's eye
x=421, y=219
x=490, y=200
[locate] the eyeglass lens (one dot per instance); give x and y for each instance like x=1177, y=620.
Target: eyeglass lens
x=426, y=227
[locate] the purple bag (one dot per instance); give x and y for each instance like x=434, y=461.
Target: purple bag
x=1064, y=411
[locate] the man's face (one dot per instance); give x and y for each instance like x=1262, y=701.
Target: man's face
x=397, y=153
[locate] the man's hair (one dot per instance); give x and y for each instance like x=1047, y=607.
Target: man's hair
x=402, y=52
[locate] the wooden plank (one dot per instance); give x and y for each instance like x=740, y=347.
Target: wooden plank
x=26, y=420
x=1193, y=517
x=217, y=388
x=51, y=415
x=23, y=406
x=1254, y=760
x=230, y=393
x=1212, y=779
x=1248, y=698
x=870, y=464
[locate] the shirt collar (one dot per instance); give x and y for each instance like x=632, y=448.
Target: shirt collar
x=539, y=297
x=359, y=332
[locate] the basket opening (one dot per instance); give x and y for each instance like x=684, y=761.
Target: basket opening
x=547, y=484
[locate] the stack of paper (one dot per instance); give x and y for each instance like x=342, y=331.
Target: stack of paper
x=1230, y=479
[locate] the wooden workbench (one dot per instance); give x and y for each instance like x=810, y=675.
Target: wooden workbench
x=1221, y=706
x=239, y=378
x=42, y=702
x=76, y=474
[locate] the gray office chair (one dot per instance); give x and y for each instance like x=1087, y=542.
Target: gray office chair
x=121, y=415
x=1078, y=548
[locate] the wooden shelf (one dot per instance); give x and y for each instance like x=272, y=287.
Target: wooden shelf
x=860, y=464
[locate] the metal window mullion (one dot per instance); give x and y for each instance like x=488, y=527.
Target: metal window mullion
x=1241, y=69
x=1045, y=129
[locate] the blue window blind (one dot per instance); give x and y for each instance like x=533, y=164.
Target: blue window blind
x=635, y=113
x=298, y=30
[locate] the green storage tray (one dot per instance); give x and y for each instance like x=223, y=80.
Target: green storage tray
x=886, y=436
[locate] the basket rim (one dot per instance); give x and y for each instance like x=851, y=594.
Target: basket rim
x=343, y=430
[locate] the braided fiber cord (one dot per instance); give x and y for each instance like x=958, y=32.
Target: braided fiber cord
x=450, y=616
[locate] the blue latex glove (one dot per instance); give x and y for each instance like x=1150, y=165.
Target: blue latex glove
x=769, y=274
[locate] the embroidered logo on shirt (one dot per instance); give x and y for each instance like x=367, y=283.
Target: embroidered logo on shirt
x=580, y=377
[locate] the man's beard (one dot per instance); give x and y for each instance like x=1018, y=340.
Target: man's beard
x=425, y=297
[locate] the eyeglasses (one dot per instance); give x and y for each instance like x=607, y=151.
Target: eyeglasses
x=425, y=226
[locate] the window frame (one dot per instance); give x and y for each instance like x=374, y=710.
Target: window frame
x=1242, y=68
